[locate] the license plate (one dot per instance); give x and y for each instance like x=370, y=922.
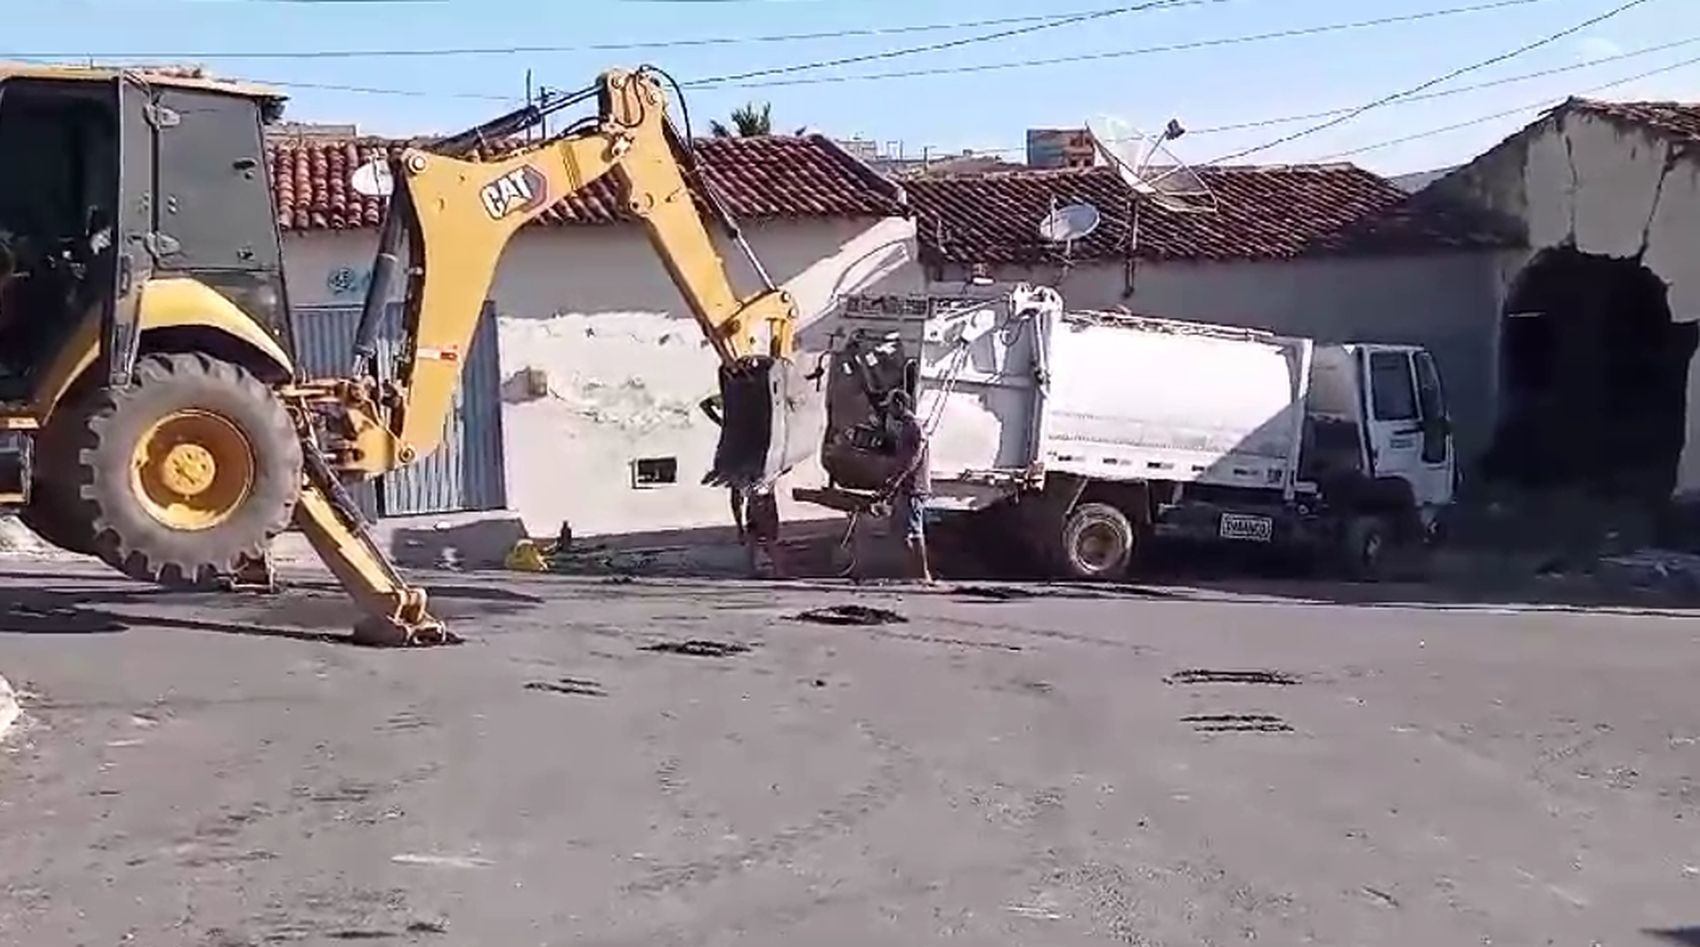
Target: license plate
x=1257, y=529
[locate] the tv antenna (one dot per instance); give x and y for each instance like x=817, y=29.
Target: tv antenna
x=1153, y=172
x=373, y=178
x=1069, y=223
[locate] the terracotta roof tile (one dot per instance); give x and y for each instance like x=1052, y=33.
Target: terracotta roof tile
x=1679, y=120
x=759, y=178
x=1271, y=212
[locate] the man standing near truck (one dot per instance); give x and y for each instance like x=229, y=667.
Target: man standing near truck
x=912, y=485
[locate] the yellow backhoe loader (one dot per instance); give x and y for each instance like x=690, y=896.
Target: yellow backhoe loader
x=151, y=412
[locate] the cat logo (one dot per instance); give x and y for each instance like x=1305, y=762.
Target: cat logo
x=522, y=189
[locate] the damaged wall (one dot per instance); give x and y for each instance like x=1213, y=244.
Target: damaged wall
x=602, y=366
x=1447, y=302
x=1609, y=187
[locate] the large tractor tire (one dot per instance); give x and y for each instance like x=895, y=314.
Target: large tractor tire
x=54, y=510
x=189, y=471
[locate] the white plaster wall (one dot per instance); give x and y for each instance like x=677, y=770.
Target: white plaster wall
x=1447, y=302
x=1578, y=178
x=594, y=309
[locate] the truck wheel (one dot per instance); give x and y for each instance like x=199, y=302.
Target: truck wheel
x=1097, y=542
x=187, y=472
x=1364, y=549
x=53, y=511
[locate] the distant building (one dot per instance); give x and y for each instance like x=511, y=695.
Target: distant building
x=311, y=131
x=1059, y=148
x=864, y=149
x=1417, y=180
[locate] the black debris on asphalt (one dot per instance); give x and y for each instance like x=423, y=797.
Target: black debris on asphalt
x=1237, y=723
x=996, y=593
x=1201, y=676
x=699, y=648
x=575, y=686
x=865, y=615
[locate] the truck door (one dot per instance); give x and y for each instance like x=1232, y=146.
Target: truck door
x=1434, y=488
x=1409, y=433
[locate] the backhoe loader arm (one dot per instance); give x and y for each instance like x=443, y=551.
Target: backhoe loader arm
x=454, y=217
x=457, y=216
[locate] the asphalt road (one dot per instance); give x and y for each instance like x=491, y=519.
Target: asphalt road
x=685, y=763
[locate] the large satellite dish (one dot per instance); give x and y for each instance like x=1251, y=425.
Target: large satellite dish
x=373, y=179
x=1151, y=170
x=1067, y=224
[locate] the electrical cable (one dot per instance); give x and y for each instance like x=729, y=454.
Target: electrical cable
x=1139, y=51
x=955, y=43
x=1431, y=83
x=630, y=46
x=1482, y=119
x=1208, y=43
x=1421, y=97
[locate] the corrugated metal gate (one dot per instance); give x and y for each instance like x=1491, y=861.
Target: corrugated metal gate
x=465, y=473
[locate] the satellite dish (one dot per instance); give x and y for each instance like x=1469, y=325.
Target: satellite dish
x=1071, y=223
x=1146, y=164
x=373, y=179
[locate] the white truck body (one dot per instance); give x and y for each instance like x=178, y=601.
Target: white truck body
x=1121, y=398
x=1187, y=429
x=1014, y=387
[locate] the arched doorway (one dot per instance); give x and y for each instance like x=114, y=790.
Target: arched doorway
x=1593, y=379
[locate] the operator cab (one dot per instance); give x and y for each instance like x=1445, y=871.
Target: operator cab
x=58, y=146
x=111, y=179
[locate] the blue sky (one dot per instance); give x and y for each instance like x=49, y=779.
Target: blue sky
x=1207, y=87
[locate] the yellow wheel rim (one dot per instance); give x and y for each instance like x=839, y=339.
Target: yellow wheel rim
x=193, y=469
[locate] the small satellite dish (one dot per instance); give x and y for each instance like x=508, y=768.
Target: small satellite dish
x=1146, y=164
x=1070, y=223
x=373, y=179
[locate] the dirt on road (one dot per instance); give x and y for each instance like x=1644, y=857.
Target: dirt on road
x=653, y=763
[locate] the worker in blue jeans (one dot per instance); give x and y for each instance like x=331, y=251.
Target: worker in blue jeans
x=910, y=487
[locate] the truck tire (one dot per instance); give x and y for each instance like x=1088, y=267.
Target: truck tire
x=53, y=511
x=1096, y=543
x=188, y=471
x=1365, y=544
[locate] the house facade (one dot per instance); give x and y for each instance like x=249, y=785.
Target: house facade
x=599, y=369
x=1600, y=305
x=1326, y=251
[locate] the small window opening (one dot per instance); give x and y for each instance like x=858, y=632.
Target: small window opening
x=654, y=472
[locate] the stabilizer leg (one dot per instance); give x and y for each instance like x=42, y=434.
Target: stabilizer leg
x=396, y=613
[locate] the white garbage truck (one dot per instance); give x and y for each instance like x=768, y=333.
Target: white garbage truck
x=1068, y=440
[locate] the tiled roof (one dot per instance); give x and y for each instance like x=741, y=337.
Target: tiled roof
x=1676, y=119
x=1271, y=212
x=758, y=178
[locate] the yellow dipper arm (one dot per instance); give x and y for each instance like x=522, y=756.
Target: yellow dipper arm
x=464, y=213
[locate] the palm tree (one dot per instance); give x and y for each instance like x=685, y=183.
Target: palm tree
x=749, y=120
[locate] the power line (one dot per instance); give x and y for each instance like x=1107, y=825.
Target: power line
x=1208, y=43
x=1140, y=51
x=949, y=44
x=1483, y=119
x=631, y=46
x=1422, y=97
x=1456, y=90
x=1431, y=83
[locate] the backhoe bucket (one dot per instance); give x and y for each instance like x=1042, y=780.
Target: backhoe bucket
x=771, y=420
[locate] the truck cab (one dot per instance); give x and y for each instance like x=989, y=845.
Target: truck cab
x=1376, y=423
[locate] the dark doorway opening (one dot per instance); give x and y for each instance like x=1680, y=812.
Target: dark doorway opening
x=1593, y=379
